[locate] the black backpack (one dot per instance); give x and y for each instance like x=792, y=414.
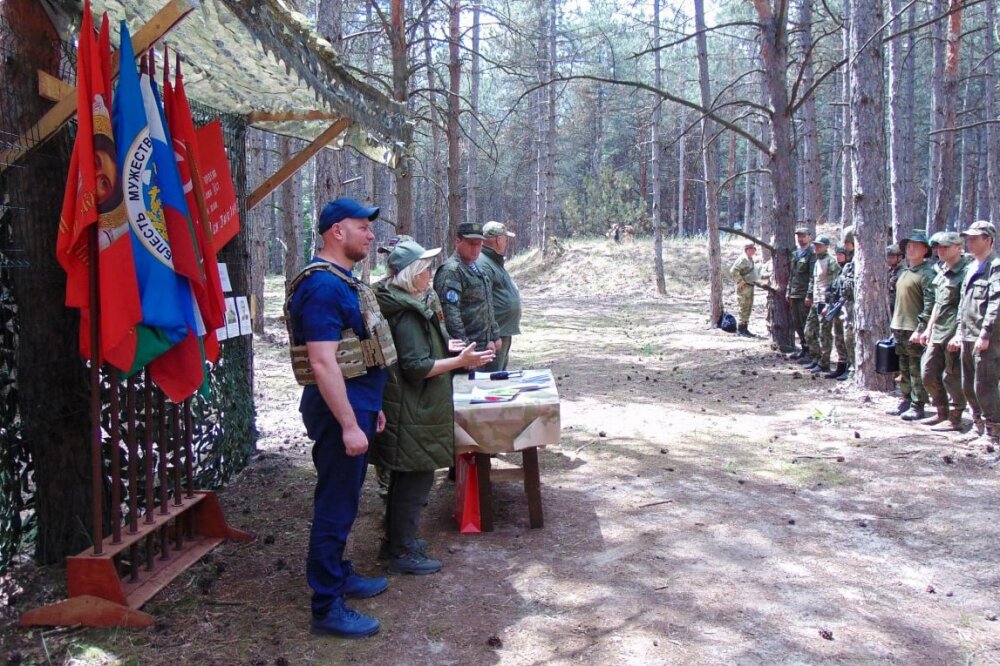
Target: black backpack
x=727, y=322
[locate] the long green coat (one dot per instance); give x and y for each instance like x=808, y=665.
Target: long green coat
x=420, y=419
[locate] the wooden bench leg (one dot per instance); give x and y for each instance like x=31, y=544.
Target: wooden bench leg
x=532, y=486
x=485, y=492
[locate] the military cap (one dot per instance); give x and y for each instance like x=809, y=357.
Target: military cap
x=945, y=238
x=893, y=249
x=749, y=244
x=391, y=243
x=493, y=229
x=471, y=230
x=848, y=236
x=803, y=230
x=981, y=228
x=821, y=240
x=406, y=252
x=840, y=250
x=916, y=236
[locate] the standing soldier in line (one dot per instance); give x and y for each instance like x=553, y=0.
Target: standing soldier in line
x=979, y=332
x=797, y=293
x=836, y=299
x=914, y=302
x=941, y=369
x=894, y=259
x=506, y=297
x=847, y=312
x=819, y=332
x=746, y=272
x=466, y=292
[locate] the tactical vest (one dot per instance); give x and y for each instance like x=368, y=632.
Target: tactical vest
x=354, y=355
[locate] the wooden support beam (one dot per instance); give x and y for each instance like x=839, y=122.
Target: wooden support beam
x=158, y=26
x=53, y=88
x=285, y=116
x=294, y=164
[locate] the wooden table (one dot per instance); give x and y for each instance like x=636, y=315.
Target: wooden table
x=521, y=425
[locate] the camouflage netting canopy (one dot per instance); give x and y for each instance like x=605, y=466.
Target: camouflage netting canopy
x=259, y=57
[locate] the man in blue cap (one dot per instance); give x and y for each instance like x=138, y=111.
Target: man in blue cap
x=341, y=406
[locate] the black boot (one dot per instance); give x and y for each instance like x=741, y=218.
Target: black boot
x=914, y=413
x=742, y=331
x=902, y=408
x=812, y=366
x=841, y=369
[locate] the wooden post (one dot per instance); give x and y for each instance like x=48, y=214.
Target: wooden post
x=294, y=164
x=158, y=26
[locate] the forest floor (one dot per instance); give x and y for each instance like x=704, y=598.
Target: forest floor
x=708, y=504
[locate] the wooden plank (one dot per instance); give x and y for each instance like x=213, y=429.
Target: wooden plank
x=53, y=88
x=151, y=583
x=533, y=487
x=286, y=116
x=158, y=26
x=296, y=163
x=506, y=474
x=88, y=611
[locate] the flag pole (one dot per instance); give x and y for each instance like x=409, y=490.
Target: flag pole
x=96, y=459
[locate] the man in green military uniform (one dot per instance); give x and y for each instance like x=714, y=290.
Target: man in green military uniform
x=846, y=280
x=466, y=292
x=506, y=297
x=894, y=260
x=941, y=369
x=819, y=332
x=979, y=332
x=797, y=291
x=835, y=299
x=914, y=303
x=746, y=272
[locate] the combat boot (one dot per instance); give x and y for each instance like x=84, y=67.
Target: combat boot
x=841, y=369
x=940, y=417
x=849, y=374
x=806, y=359
x=914, y=413
x=901, y=408
x=978, y=428
x=952, y=424
x=990, y=439
x=819, y=368
x=811, y=366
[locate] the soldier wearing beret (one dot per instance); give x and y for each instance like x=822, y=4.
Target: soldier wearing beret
x=914, y=303
x=746, y=272
x=466, y=292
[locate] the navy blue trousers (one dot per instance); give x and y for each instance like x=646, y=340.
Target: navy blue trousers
x=335, y=503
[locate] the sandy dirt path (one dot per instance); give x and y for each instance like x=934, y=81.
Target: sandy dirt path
x=708, y=504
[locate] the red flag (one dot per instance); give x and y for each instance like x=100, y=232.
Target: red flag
x=94, y=195
x=209, y=295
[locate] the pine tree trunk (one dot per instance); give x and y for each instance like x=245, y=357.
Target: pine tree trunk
x=454, y=130
x=748, y=187
x=472, y=187
x=401, y=93
x=291, y=223
x=654, y=161
x=681, y=172
x=548, y=222
x=438, y=219
x=992, y=130
x=871, y=198
x=330, y=166
x=937, y=114
x=774, y=55
x=846, y=168
x=947, y=181
x=711, y=170
x=899, y=167
x=259, y=152
x=812, y=190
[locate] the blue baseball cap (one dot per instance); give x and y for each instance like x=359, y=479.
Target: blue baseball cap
x=341, y=209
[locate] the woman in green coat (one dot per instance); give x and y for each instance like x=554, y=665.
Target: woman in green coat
x=419, y=437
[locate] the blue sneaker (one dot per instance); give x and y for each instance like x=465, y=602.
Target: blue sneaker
x=344, y=622
x=357, y=586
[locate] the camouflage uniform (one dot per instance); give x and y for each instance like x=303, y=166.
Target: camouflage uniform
x=893, y=272
x=847, y=312
x=978, y=312
x=466, y=298
x=938, y=363
x=800, y=275
x=914, y=302
x=747, y=271
x=819, y=332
